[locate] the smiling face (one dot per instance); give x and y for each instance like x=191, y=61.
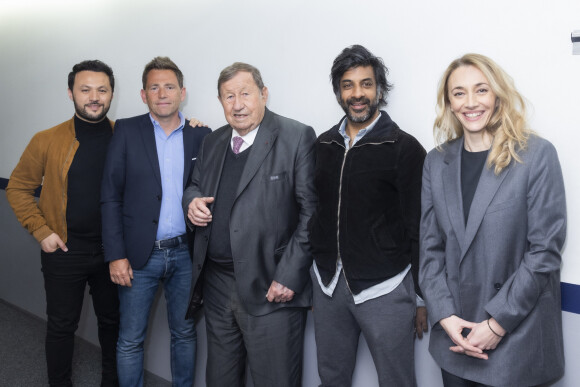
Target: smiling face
x=92, y=95
x=358, y=95
x=471, y=99
x=163, y=94
x=243, y=102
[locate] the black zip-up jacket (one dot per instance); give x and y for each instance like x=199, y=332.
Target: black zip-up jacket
x=369, y=205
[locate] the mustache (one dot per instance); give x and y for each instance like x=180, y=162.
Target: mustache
x=353, y=100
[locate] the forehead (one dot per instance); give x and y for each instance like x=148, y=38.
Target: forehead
x=358, y=73
x=92, y=78
x=466, y=76
x=161, y=77
x=242, y=79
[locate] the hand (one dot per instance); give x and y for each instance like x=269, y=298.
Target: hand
x=453, y=326
x=51, y=243
x=483, y=337
x=121, y=272
x=198, y=213
x=279, y=293
x=193, y=122
x=421, y=321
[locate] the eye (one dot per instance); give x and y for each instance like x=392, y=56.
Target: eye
x=458, y=94
x=368, y=84
x=84, y=90
x=102, y=91
x=483, y=90
x=346, y=86
x=245, y=94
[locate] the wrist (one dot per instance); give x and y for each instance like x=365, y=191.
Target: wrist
x=495, y=328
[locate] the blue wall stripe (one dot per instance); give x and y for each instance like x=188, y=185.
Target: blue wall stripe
x=570, y=292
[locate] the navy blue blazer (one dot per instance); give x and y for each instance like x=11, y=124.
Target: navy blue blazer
x=131, y=190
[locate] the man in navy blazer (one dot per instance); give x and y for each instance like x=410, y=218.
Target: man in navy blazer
x=148, y=165
x=250, y=198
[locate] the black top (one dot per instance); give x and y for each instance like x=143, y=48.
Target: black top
x=471, y=166
x=219, y=248
x=83, y=210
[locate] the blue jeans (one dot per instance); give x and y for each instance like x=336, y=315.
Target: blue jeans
x=172, y=266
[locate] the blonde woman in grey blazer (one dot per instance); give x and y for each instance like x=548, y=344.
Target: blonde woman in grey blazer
x=492, y=226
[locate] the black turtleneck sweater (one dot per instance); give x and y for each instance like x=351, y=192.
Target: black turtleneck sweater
x=83, y=211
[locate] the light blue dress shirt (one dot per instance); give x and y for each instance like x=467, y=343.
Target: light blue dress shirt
x=171, y=164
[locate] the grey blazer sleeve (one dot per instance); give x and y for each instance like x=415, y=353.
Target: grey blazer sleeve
x=192, y=191
x=432, y=270
x=546, y=222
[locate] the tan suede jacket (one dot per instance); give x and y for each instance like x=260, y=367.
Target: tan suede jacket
x=45, y=161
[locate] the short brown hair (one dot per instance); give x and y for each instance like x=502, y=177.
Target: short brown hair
x=162, y=63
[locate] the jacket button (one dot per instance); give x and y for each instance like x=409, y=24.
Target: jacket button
x=205, y=238
x=154, y=221
x=159, y=197
x=497, y=286
x=199, y=267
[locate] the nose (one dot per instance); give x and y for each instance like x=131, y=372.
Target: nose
x=471, y=101
x=357, y=91
x=238, y=104
x=94, y=95
x=162, y=92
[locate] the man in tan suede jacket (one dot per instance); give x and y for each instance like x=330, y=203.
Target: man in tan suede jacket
x=67, y=161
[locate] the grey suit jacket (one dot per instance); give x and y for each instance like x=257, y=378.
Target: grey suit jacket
x=274, y=201
x=505, y=263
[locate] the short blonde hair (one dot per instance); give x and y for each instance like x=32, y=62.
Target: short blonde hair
x=508, y=122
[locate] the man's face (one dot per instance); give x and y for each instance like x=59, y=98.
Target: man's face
x=243, y=102
x=91, y=95
x=162, y=94
x=358, y=94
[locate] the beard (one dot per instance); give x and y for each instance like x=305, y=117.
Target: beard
x=83, y=113
x=366, y=114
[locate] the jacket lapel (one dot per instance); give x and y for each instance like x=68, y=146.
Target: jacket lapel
x=148, y=136
x=187, y=149
x=262, y=145
x=452, y=188
x=487, y=187
x=215, y=162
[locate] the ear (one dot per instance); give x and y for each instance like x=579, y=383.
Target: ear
x=70, y=94
x=144, y=96
x=183, y=93
x=265, y=94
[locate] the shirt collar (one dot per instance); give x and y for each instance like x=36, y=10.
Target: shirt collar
x=248, y=137
x=156, y=124
x=361, y=133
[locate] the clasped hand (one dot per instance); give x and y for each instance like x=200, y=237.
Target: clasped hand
x=480, y=339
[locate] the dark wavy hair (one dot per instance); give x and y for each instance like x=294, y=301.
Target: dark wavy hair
x=162, y=63
x=91, y=65
x=355, y=56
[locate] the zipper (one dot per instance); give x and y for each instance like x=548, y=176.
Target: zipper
x=340, y=201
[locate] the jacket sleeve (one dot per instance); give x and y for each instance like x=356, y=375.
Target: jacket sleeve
x=292, y=270
x=25, y=179
x=193, y=191
x=546, y=225
x=410, y=167
x=112, y=193
x=432, y=270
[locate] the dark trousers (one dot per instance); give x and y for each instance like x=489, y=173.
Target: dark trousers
x=450, y=380
x=273, y=343
x=65, y=279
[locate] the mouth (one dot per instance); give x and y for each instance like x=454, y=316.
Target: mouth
x=240, y=116
x=473, y=116
x=94, y=106
x=358, y=105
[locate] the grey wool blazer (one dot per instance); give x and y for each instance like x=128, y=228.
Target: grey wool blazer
x=505, y=263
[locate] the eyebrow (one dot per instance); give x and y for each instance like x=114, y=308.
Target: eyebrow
x=476, y=85
x=362, y=80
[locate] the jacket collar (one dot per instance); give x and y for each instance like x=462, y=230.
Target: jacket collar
x=386, y=130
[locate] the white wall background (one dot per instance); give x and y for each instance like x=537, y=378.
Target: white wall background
x=293, y=43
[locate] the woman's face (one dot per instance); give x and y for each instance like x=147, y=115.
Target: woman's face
x=471, y=98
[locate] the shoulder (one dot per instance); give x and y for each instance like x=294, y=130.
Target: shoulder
x=285, y=123
x=197, y=131
x=133, y=122
x=61, y=131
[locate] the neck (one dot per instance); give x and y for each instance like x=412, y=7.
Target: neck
x=477, y=142
x=168, y=124
x=352, y=128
